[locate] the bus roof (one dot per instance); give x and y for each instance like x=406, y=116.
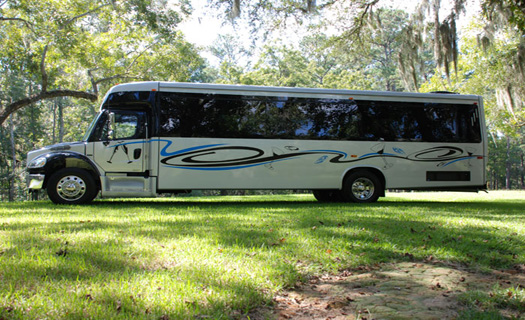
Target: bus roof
x=185, y=87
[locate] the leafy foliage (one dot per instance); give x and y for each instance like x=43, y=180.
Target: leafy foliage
x=55, y=51
x=82, y=45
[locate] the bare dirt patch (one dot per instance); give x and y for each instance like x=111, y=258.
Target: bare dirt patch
x=388, y=291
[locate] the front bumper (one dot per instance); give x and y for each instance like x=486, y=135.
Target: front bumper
x=35, y=181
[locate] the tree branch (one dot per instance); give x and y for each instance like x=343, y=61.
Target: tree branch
x=43, y=69
x=117, y=76
x=71, y=20
x=92, y=79
x=27, y=23
x=142, y=52
x=9, y=109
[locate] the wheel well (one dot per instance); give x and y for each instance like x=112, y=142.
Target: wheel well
x=374, y=171
x=62, y=163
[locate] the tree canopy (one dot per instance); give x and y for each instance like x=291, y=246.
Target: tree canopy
x=71, y=48
x=58, y=57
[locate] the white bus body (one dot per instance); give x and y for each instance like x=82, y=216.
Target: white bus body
x=160, y=137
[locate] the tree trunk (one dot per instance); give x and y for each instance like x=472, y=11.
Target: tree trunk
x=508, y=167
x=494, y=176
x=12, y=175
x=522, y=172
x=33, y=122
x=54, y=122
x=60, y=120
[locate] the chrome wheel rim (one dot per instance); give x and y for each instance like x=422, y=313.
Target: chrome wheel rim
x=71, y=188
x=363, y=188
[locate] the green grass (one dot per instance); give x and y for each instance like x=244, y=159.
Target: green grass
x=219, y=257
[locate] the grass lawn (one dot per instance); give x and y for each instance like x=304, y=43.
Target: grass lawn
x=219, y=257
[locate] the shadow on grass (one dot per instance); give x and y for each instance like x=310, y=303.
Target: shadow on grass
x=415, y=229
x=45, y=244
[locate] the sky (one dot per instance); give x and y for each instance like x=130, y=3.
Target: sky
x=203, y=27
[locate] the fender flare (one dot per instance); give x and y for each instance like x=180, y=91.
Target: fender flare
x=67, y=159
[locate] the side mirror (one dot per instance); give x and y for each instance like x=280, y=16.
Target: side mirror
x=111, y=126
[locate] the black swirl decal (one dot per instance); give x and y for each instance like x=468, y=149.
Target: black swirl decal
x=240, y=157
x=444, y=153
x=221, y=157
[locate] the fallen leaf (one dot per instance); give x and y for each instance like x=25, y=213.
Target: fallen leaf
x=409, y=255
x=62, y=252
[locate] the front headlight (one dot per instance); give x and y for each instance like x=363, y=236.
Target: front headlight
x=37, y=162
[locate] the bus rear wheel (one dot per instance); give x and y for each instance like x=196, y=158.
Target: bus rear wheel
x=362, y=187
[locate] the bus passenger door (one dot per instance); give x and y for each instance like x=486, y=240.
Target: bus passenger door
x=121, y=152
x=123, y=148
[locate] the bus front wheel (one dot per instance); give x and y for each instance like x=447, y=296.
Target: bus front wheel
x=71, y=186
x=362, y=187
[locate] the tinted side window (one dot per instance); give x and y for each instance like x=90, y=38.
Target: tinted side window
x=428, y=122
x=139, y=99
x=226, y=116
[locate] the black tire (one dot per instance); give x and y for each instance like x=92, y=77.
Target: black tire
x=331, y=195
x=362, y=187
x=71, y=186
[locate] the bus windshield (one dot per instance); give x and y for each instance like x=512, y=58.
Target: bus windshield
x=90, y=128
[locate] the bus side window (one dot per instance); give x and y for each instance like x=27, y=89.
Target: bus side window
x=129, y=125
x=126, y=125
